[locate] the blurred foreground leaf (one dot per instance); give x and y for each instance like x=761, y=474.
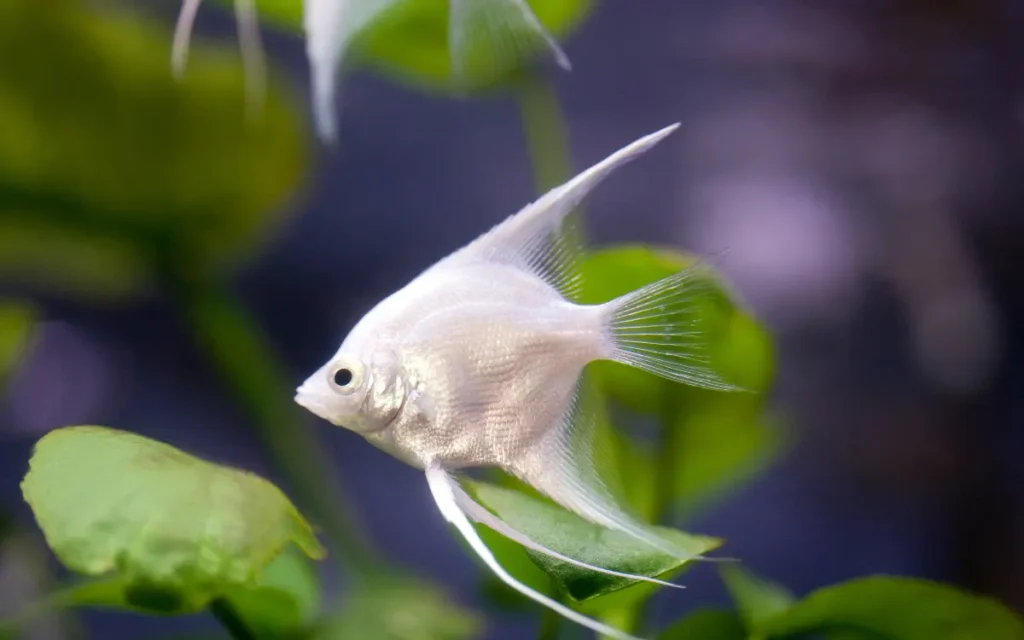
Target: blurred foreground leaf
x=176, y=530
x=895, y=608
x=390, y=608
x=283, y=602
x=708, y=624
x=567, y=533
x=410, y=40
x=757, y=598
x=16, y=322
x=109, y=167
x=718, y=439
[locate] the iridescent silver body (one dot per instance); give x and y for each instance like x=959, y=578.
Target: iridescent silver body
x=490, y=356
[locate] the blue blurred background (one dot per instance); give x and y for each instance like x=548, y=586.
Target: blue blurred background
x=861, y=163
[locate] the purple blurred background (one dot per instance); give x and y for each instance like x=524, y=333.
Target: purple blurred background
x=861, y=163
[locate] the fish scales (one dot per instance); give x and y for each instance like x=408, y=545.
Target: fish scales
x=496, y=341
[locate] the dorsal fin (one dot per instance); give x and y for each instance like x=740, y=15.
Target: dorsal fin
x=538, y=238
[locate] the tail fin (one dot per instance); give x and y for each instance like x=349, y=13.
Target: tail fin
x=658, y=328
x=506, y=31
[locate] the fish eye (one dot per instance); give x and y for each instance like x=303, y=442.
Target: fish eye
x=345, y=376
x=342, y=377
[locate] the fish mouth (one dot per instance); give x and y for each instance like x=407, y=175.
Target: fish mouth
x=308, y=402
x=308, y=398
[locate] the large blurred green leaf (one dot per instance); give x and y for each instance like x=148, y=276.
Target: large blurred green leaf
x=567, y=533
x=283, y=602
x=410, y=41
x=707, y=624
x=392, y=608
x=109, y=167
x=719, y=438
x=16, y=320
x=178, y=531
x=757, y=598
x=896, y=608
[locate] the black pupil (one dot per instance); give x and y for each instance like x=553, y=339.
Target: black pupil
x=342, y=377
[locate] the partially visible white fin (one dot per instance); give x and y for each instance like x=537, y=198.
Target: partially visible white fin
x=330, y=26
x=564, y=468
x=508, y=29
x=480, y=514
x=535, y=240
x=442, y=487
x=656, y=329
x=183, y=36
x=253, y=57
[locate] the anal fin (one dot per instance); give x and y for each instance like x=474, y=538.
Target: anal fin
x=564, y=468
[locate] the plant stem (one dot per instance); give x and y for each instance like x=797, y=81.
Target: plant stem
x=545, y=132
x=667, y=469
x=236, y=346
x=226, y=615
x=666, y=474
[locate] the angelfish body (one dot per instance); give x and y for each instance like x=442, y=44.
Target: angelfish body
x=486, y=358
x=478, y=362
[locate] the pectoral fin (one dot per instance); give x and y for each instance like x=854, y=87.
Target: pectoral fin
x=563, y=468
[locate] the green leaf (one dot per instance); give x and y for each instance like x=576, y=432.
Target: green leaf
x=707, y=624
x=148, y=169
x=514, y=558
x=179, y=531
x=757, y=598
x=16, y=321
x=400, y=608
x=285, y=599
x=897, y=608
x=567, y=533
x=720, y=439
x=409, y=42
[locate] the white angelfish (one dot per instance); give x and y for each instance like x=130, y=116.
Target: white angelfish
x=479, y=362
x=253, y=56
x=508, y=28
